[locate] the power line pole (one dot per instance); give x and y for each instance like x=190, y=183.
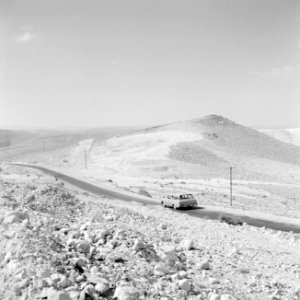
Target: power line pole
x=85, y=158
x=230, y=186
x=44, y=144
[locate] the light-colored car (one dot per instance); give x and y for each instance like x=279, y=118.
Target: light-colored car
x=184, y=200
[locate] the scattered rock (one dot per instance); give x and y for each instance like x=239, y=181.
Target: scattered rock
x=160, y=269
x=65, y=282
x=244, y=270
x=102, y=286
x=57, y=295
x=83, y=247
x=90, y=291
x=187, y=245
x=21, y=285
x=214, y=296
x=7, y=257
x=109, y=218
x=81, y=262
x=138, y=245
x=15, y=217
x=184, y=284
x=212, y=280
x=163, y=226
x=126, y=293
x=204, y=265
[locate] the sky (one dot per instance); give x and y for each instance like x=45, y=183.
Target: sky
x=95, y=63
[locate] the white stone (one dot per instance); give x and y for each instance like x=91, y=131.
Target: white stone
x=163, y=226
x=181, y=274
x=12, y=266
x=126, y=293
x=204, y=265
x=214, y=296
x=160, y=269
x=184, y=284
x=109, y=218
x=74, y=294
x=21, y=285
x=83, y=247
x=88, y=290
x=15, y=217
x=187, y=245
x=138, y=245
x=102, y=287
x=55, y=277
x=94, y=270
x=43, y=283
x=174, y=276
x=212, y=280
x=80, y=262
x=234, y=251
x=65, y=282
x=57, y=295
x=84, y=226
x=7, y=257
x=44, y=273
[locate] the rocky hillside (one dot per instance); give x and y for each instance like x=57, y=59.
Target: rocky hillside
x=228, y=138
x=58, y=243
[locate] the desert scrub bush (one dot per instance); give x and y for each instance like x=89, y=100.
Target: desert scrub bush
x=144, y=193
x=230, y=220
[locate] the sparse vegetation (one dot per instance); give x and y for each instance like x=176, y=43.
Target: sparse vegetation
x=230, y=220
x=144, y=193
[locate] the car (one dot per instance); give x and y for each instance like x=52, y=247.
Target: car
x=183, y=200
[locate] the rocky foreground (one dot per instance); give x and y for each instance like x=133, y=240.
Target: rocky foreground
x=61, y=244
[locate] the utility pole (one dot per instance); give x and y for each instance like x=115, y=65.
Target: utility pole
x=44, y=144
x=230, y=186
x=85, y=158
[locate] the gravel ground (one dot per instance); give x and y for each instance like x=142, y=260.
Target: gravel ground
x=61, y=243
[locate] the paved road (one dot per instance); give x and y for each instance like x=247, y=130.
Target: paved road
x=199, y=212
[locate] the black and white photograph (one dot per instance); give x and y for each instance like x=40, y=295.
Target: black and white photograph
x=149, y=150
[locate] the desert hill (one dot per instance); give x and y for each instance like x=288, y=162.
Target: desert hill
x=226, y=138
x=203, y=147
x=199, y=148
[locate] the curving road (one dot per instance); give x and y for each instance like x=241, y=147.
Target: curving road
x=200, y=212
